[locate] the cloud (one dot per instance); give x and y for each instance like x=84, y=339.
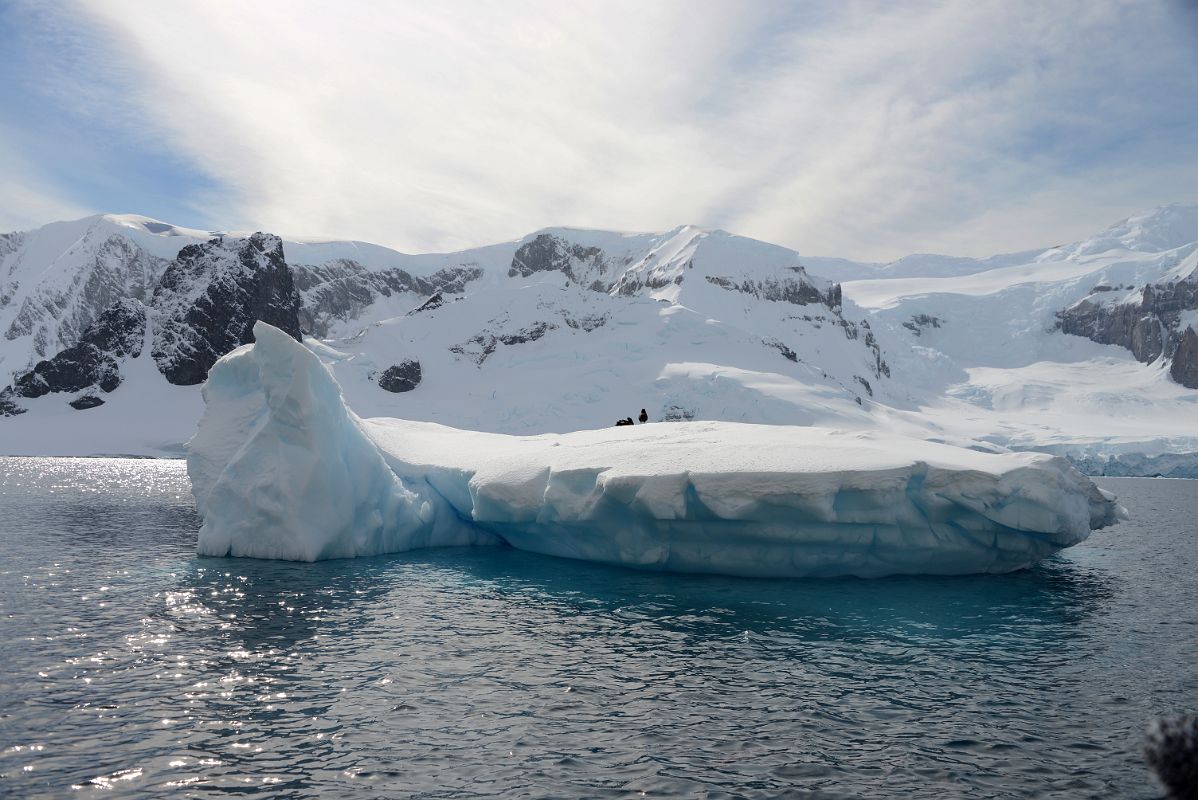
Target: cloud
x=860, y=129
x=73, y=137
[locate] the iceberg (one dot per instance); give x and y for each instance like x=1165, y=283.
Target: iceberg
x=281, y=468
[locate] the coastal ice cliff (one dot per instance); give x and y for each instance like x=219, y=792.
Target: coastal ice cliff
x=281, y=468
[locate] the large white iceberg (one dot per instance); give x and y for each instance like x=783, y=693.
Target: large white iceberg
x=281, y=468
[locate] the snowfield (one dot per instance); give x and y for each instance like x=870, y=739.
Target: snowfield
x=281, y=468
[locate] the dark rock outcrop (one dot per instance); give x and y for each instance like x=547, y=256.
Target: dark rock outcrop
x=95, y=359
x=919, y=322
x=1149, y=324
x=587, y=322
x=478, y=348
x=8, y=407
x=799, y=291
x=585, y=266
x=1127, y=325
x=1184, y=368
x=341, y=289
x=56, y=316
x=84, y=402
x=786, y=352
x=862, y=330
x=431, y=304
x=210, y=297
x=402, y=377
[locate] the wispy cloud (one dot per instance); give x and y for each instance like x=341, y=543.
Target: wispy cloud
x=74, y=136
x=851, y=128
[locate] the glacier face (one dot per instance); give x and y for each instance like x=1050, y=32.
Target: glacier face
x=282, y=469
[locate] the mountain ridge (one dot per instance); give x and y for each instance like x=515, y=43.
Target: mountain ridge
x=548, y=331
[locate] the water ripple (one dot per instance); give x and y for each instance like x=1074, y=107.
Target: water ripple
x=133, y=668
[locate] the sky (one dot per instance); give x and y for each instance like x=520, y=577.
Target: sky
x=868, y=130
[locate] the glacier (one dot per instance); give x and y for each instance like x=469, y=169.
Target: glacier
x=281, y=468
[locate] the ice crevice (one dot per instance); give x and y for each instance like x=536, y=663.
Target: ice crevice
x=281, y=468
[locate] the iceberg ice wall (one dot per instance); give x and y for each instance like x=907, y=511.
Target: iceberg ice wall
x=282, y=469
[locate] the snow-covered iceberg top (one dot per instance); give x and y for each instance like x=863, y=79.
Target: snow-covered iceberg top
x=281, y=468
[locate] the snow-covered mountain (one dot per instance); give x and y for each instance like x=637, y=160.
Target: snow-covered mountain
x=1044, y=349
x=1086, y=349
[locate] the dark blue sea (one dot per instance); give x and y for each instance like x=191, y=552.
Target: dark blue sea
x=130, y=667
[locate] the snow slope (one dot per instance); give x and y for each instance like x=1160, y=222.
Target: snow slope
x=282, y=469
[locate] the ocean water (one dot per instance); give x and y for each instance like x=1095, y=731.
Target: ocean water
x=129, y=667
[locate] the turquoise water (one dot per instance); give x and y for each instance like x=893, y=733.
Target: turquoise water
x=133, y=668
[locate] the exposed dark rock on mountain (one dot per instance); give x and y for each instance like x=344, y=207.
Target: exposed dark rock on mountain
x=799, y=291
x=919, y=322
x=434, y=302
x=587, y=322
x=56, y=315
x=7, y=292
x=881, y=368
x=478, y=348
x=787, y=353
x=11, y=242
x=547, y=253
x=84, y=402
x=402, y=377
x=528, y=334
x=9, y=408
x=210, y=297
x=450, y=280
x=1126, y=325
x=1148, y=324
x=1184, y=368
x=95, y=359
x=630, y=284
x=341, y=289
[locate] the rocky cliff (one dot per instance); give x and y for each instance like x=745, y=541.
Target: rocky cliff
x=209, y=298
x=585, y=266
x=340, y=290
x=1151, y=321
x=91, y=363
x=54, y=314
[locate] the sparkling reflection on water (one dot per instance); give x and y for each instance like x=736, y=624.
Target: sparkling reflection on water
x=132, y=667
